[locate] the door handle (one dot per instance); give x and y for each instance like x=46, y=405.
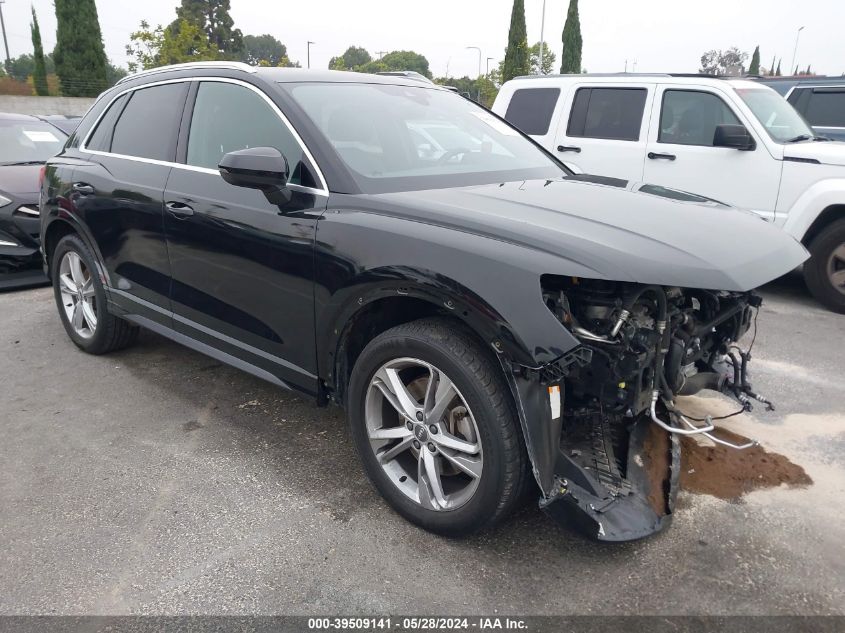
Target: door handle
x=83, y=188
x=179, y=210
x=656, y=156
x=568, y=148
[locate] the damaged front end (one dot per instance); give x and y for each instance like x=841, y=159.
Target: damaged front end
x=602, y=422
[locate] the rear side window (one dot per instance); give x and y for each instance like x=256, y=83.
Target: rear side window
x=826, y=107
x=149, y=124
x=531, y=109
x=100, y=140
x=608, y=113
x=689, y=117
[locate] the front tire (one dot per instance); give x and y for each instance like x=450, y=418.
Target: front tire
x=81, y=300
x=435, y=427
x=824, y=273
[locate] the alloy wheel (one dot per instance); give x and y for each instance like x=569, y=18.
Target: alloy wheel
x=76, y=286
x=423, y=434
x=836, y=268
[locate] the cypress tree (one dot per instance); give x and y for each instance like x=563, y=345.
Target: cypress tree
x=570, y=58
x=754, y=68
x=79, y=55
x=772, y=68
x=517, y=60
x=39, y=76
x=777, y=72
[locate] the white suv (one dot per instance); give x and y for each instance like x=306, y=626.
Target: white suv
x=732, y=140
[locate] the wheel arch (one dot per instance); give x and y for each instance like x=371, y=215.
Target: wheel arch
x=369, y=314
x=828, y=216
x=67, y=224
x=55, y=231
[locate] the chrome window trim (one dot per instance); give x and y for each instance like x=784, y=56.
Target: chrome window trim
x=83, y=146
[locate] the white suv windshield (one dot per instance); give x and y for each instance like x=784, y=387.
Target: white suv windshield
x=395, y=138
x=779, y=118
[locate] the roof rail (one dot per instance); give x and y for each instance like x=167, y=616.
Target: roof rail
x=693, y=75
x=190, y=66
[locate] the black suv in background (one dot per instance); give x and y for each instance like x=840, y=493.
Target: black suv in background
x=384, y=244
x=821, y=100
x=25, y=145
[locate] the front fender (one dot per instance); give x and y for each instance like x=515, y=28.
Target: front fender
x=364, y=256
x=812, y=202
x=492, y=286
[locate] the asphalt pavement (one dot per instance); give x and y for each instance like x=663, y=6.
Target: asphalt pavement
x=158, y=481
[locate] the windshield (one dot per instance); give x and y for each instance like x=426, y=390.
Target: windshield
x=779, y=118
x=28, y=141
x=400, y=138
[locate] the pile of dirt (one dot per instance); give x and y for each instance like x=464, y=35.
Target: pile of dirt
x=656, y=459
x=727, y=473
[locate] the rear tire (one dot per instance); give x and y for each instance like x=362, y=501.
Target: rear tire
x=479, y=410
x=824, y=273
x=81, y=300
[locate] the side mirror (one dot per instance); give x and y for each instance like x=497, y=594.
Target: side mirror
x=263, y=168
x=733, y=136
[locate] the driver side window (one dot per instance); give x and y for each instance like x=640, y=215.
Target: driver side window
x=690, y=117
x=229, y=117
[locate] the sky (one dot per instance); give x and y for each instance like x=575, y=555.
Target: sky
x=651, y=35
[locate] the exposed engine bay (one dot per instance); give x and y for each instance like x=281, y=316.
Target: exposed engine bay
x=619, y=452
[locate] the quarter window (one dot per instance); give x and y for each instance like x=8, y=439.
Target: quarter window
x=229, y=117
x=531, y=109
x=101, y=138
x=690, y=118
x=607, y=113
x=149, y=124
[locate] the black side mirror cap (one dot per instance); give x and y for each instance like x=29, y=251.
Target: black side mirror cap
x=733, y=136
x=263, y=168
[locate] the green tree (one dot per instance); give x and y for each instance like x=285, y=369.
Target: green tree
x=39, y=76
x=352, y=58
x=150, y=48
x=729, y=62
x=213, y=19
x=570, y=57
x=754, y=68
x=23, y=66
x=482, y=89
x=516, y=60
x=79, y=54
x=267, y=48
x=772, y=69
x=548, y=63
x=114, y=73
x=398, y=60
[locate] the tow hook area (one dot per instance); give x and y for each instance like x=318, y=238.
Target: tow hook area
x=615, y=483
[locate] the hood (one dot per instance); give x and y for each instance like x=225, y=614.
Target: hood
x=827, y=152
x=621, y=231
x=19, y=178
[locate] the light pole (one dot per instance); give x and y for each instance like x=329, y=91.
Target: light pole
x=5, y=39
x=478, y=97
x=489, y=59
x=308, y=55
x=479, y=57
x=795, y=50
x=542, y=41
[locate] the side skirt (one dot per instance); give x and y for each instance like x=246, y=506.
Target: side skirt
x=208, y=350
